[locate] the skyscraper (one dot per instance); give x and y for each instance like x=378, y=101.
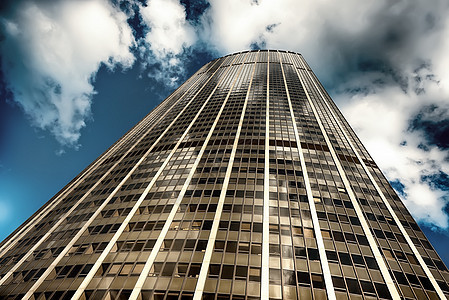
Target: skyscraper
x=245, y=183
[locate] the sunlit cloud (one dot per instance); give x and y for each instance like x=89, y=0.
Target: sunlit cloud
x=51, y=51
x=168, y=37
x=404, y=155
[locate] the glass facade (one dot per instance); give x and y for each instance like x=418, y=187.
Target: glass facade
x=245, y=183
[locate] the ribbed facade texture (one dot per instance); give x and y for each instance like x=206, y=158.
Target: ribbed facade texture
x=245, y=183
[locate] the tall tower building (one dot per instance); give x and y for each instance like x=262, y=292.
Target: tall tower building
x=245, y=183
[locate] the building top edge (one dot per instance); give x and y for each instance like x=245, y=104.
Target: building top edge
x=259, y=50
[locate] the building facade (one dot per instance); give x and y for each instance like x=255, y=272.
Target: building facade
x=245, y=183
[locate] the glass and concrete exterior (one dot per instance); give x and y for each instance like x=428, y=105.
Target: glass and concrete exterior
x=245, y=183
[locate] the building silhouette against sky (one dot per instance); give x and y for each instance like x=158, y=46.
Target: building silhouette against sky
x=245, y=183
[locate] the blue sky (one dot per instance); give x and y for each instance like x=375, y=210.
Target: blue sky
x=76, y=75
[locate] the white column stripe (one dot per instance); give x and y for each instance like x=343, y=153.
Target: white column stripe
x=386, y=202
x=49, y=206
x=316, y=224
x=41, y=216
x=100, y=208
x=213, y=233
x=146, y=269
x=265, y=279
x=108, y=153
x=366, y=229
x=62, y=219
x=128, y=218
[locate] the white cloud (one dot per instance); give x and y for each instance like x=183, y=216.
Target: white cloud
x=168, y=38
x=378, y=58
x=51, y=51
x=333, y=36
x=382, y=120
x=382, y=59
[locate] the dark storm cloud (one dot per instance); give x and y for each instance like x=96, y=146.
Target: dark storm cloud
x=433, y=121
x=438, y=181
x=399, y=187
x=195, y=9
x=398, y=52
x=5, y=96
x=387, y=46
